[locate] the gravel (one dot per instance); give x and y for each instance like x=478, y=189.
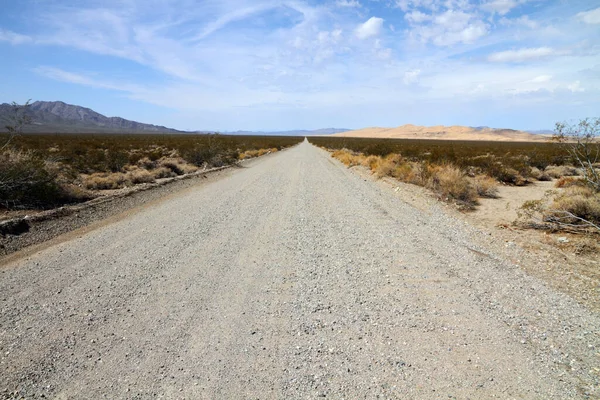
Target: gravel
x=290, y=278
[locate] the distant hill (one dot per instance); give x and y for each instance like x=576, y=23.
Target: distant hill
x=56, y=116
x=547, y=132
x=316, y=132
x=441, y=132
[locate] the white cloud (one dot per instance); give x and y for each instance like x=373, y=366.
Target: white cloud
x=348, y=3
x=417, y=17
x=405, y=5
x=590, y=17
x=372, y=27
x=13, y=37
x=453, y=20
x=501, y=7
x=575, y=87
x=449, y=28
x=542, y=79
x=522, y=55
x=411, y=76
x=523, y=20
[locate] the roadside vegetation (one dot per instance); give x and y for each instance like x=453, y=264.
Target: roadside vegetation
x=39, y=171
x=464, y=171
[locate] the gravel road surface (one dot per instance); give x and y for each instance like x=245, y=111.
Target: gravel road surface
x=290, y=279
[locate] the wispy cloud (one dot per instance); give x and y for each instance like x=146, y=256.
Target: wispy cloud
x=501, y=7
x=288, y=60
x=523, y=55
x=348, y=3
x=13, y=38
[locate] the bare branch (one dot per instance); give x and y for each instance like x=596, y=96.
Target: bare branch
x=16, y=121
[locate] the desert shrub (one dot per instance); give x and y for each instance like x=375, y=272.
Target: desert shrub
x=535, y=173
x=346, y=157
x=581, y=142
x=496, y=159
x=568, y=181
x=576, y=203
x=539, y=175
x=544, y=177
x=372, y=162
x=510, y=176
x=135, y=157
x=71, y=193
x=179, y=166
x=404, y=172
x=451, y=182
x=174, y=164
x=386, y=167
x=146, y=163
x=486, y=186
x=198, y=155
x=136, y=176
x=105, y=181
x=248, y=154
x=81, y=157
x=558, y=171
x=162, y=172
x=116, y=160
x=25, y=181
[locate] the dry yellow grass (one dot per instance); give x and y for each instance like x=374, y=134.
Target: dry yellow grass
x=580, y=201
x=486, y=186
x=177, y=164
x=256, y=153
x=372, y=162
x=448, y=181
x=139, y=175
x=162, y=172
x=347, y=157
x=558, y=171
x=568, y=181
x=146, y=163
x=105, y=181
x=451, y=183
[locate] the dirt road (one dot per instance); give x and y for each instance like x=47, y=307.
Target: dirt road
x=292, y=278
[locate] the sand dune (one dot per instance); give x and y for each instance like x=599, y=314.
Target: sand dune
x=442, y=132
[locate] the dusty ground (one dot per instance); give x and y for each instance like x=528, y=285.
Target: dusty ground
x=293, y=278
x=571, y=266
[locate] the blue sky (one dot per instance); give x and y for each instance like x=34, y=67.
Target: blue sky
x=273, y=65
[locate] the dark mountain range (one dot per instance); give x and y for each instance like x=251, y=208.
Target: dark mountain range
x=59, y=117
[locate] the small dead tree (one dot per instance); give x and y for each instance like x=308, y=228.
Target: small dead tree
x=15, y=122
x=582, y=142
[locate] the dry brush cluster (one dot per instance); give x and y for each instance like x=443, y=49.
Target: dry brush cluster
x=448, y=181
x=45, y=170
x=465, y=171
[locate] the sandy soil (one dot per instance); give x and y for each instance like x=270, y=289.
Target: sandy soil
x=504, y=209
x=292, y=278
x=444, y=133
x=567, y=262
